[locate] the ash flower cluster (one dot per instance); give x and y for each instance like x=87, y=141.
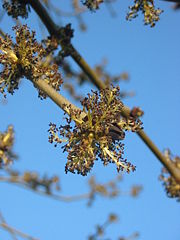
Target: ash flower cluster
x=25, y=58
x=6, y=144
x=92, y=4
x=151, y=15
x=16, y=8
x=97, y=134
x=171, y=186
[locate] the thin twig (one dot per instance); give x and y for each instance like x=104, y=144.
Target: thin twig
x=61, y=101
x=57, y=197
x=3, y=221
x=94, y=189
x=14, y=231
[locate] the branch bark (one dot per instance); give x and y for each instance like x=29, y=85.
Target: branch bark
x=56, y=97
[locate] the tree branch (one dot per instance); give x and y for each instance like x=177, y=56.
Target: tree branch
x=102, y=189
x=57, y=197
x=54, y=30
x=56, y=97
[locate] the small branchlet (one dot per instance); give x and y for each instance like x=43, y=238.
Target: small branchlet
x=100, y=229
x=171, y=186
x=136, y=112
x=6, y=144
x=26, y=58
x=35, y=182
x=14, y=233
x=107, y=78
x=109, y=189
x=96, y=134
x=74, y=78
x=133, y=236
x=16, y=8
x=49, y=186
x=92, y=4
x=151, y=15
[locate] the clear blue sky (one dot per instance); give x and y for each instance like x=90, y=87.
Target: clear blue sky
x=152, y=58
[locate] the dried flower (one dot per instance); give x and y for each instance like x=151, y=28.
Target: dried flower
x=6, y=144
x=26, y=58
x=98, y=134
x=171, y=186
x=151, y=15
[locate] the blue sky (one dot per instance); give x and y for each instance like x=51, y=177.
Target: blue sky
x=151, y=57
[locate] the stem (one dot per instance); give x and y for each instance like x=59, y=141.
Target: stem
x=53, y=30
x=13, y=231
x=87, y=69
x=20, y=183
x=61, y=101
x=57, y=98
x=44, y=16
x=13, y=235
x=172, y=169
x=6, y=227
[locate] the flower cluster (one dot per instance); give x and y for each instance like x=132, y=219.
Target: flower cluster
x=66, y=34
x=151, y=15
x=171, y=186
x=97, y=133
x=16, y=8
x=6, y=144
x=92, y=4
x=25, y=58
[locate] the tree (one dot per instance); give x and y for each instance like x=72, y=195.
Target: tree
x=97, y=128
